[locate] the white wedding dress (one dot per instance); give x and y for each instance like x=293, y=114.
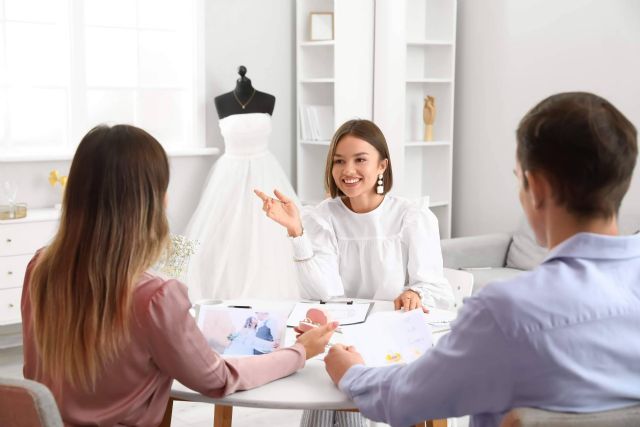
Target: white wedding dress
x=241, y=253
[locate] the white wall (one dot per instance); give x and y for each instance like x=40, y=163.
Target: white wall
x=512, y=54
x=254, y=33
x=261, y=36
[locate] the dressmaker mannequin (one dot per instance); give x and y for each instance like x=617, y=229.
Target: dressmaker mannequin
x=244, y=99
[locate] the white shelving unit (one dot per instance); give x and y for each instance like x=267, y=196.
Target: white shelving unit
x=336, y=73
x=380, y=66
x=415, y=57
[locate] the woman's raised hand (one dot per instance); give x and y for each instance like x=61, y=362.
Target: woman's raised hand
x=283, y=211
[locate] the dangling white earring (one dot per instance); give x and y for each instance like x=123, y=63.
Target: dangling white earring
x=380, y=187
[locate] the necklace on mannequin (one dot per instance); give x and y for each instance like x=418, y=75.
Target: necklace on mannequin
x=248, y=101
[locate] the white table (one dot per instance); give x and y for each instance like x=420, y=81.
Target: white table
x=309, y=388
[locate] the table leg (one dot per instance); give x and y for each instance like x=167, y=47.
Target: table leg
x=222, y=415
x=166, y=419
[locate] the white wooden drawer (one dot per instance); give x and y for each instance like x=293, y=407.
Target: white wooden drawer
x=10, y=306
x=12, y=269
x=25, y=238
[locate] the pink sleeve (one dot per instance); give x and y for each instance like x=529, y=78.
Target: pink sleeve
x=180, y=350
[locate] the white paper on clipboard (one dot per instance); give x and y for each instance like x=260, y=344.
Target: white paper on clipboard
x=346, y=314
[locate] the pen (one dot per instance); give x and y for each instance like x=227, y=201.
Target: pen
x=239, y=306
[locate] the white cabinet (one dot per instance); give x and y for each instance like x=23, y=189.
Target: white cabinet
x=334, y=80
x=386, y=56
x=19, y=240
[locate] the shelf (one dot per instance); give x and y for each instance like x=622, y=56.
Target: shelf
x=318, y=43
x=427, y=144
x=324, y=80
x=310, y=142
x=429, y=43
x=35, y=215
x=24, y=156
x=429, y=81
x=438, y=203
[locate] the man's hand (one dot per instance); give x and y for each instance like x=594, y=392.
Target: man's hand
x=340, y=359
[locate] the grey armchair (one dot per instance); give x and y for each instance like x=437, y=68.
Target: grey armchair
x=492, y=257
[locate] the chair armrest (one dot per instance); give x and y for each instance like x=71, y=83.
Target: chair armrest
x=487, y=250
x=625, y=417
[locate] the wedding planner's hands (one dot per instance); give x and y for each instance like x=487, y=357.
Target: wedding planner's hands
x=315, y=340
x=340, y=359
x=409, y=300
x=282, y=210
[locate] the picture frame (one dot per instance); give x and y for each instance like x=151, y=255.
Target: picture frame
x=320, y=26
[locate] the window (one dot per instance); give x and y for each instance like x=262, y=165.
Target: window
x=67, y=65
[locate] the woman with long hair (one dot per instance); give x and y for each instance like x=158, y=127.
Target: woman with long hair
x=103, y=333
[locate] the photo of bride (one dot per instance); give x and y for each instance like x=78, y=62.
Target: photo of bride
x=246, y=332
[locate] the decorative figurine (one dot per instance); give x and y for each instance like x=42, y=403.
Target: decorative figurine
x=429, y=116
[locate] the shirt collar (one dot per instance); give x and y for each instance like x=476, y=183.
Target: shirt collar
x=591, y=245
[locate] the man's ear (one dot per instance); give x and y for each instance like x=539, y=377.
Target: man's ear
x=539, y=188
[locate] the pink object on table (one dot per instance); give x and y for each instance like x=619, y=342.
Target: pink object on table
x=315, y=317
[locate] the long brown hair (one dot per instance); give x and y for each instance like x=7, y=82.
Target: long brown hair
x=365, y=130
x=113, y=227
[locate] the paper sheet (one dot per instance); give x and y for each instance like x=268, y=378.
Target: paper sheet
x=346, y=314
x=440, y=319
x=390, y=337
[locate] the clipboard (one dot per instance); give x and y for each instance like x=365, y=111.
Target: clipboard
x=347, y=313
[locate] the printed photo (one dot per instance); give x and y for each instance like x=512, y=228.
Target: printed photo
x=242, y=331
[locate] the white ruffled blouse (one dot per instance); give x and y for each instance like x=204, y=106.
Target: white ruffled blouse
x=373, y=255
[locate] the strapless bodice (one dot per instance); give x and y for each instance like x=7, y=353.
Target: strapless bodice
x=246, y=135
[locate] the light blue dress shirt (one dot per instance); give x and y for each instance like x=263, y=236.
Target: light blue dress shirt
x=563, y=337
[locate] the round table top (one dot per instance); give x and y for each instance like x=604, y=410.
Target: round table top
x=309, y=388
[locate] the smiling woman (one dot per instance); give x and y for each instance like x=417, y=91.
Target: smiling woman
x=361, y=242
x=363, y=151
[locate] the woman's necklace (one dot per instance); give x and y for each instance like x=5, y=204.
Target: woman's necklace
x=248, y=101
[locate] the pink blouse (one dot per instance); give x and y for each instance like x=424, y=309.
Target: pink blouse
x=165, y=344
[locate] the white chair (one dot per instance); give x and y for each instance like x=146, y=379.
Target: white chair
x=462, y=284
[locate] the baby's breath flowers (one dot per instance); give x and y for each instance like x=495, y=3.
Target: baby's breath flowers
x=176, y=258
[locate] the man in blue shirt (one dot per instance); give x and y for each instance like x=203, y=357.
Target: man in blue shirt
x=564, y=336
